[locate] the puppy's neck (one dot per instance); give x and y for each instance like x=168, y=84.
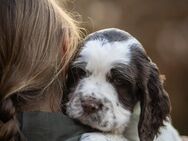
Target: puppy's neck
x=131, y=132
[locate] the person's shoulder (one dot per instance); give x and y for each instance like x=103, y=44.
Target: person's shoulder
x=37, y=126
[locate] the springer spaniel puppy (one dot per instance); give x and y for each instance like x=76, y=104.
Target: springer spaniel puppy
x=116, y=89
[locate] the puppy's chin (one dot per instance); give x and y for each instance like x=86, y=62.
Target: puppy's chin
x=111, y=118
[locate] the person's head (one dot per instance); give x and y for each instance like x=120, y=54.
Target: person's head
x=37, y=42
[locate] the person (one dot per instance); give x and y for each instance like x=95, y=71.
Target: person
x=37, y=42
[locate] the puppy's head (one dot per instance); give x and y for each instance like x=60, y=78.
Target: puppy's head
x=110, y=75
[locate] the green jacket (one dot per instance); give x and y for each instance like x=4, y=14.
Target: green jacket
x=43, y=126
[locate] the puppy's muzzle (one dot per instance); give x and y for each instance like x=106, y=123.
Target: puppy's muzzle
x=91, y=105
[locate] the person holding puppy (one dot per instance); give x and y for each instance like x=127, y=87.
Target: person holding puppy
x=37, y=43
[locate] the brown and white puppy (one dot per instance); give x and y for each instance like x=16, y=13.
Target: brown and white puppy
x=111, y=74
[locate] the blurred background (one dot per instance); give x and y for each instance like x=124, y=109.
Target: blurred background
x=162, y=27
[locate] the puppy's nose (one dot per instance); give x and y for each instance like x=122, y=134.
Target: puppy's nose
x=91, y=105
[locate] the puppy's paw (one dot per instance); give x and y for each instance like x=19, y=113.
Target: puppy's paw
x=93, y=137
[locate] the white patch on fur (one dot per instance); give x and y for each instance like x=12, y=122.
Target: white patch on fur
x=101, y=57
x=93, y=137
x=168, y=133
x=102, y=137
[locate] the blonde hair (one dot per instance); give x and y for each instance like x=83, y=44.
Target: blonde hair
x=37, y=42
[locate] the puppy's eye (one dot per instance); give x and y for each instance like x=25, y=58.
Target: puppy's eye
x=117, y=81
x=116, y=78
x=80, y=73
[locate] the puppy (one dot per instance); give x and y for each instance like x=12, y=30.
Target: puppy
x=111, y=75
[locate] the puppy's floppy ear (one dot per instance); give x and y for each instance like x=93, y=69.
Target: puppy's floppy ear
x=155, y=104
